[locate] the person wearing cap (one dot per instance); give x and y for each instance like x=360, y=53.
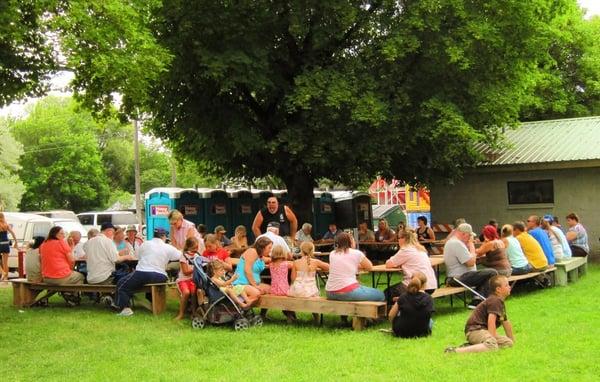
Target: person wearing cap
x=560, y=244
x=102, y=256
x=220, y=234
x=154, y=255
x=534, y=229
x=460, y=259
x=181, y=229
x=132, y=237
x=273, y=235
x=531, y=248
x=273, y=212
x=577, y=236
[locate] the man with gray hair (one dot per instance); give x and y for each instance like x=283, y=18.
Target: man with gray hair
x=460, y=259
x=304, y=234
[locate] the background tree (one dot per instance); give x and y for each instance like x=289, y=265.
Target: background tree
x=11, y=187
x=26, y=54
x=308, y=90
x=62, y=166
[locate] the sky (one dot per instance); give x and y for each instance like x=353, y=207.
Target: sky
x=59, y=83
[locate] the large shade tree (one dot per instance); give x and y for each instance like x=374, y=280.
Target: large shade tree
x=305, y=90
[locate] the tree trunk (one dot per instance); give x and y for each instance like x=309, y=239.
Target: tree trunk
x=300, y=193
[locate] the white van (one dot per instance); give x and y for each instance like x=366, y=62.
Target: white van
x=57, y=214
x=26, y=227
x=91, y=220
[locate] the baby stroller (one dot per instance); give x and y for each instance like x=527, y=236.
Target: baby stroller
x=220, y=308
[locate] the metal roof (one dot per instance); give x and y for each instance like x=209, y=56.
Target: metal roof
x=561, y=140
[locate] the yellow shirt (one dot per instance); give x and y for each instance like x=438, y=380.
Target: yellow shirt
x=533, y=251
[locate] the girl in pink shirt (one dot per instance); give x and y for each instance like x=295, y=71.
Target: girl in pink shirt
x=279, y=268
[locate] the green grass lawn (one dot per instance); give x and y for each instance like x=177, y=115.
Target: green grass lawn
x=557, y=338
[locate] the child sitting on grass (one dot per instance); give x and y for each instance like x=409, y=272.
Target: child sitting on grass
x=185, y=284
x=411, y=314
x=279, y=267
x=217, y=274
x=481, y=327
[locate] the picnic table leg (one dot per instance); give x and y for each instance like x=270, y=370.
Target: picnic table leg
x=560, y=275
x=159, y=299
x=373, y=279
x=22, y=295
x=359, y=323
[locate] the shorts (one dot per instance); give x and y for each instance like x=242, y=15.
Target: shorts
x=186, y=286
x=482, y=336
x=237, y=289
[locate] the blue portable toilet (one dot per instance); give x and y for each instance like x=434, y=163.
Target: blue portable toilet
x=158, y=203
x=323, y=213
x=216, y=207
x=190, y=205
x=241, y=211
x=351, y=208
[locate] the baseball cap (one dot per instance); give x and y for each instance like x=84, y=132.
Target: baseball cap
x=466, y=228
x=107, y=225
x=220, y=228
x=131, y=228
x=273, y=225
x=158, y=232
x=548, y=218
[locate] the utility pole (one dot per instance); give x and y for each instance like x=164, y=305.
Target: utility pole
x=173, y=171
x=136, y=158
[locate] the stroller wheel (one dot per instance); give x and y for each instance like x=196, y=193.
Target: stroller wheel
x=256, y=321
x=241, y=324
x=198, y=322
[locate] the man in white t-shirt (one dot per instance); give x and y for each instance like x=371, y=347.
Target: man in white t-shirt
x=101, y=253
x=154, y=256
x=273, y=234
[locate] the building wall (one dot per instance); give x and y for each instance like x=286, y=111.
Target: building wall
x=482, y=195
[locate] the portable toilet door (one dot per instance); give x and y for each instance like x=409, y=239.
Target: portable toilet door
x=216, y=210
x=323, y=213
x=362, y=208
x=158, y=203
x=241, y=212
x=351, y=208
x=191, y=206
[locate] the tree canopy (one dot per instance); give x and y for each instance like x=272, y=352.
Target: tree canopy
x=11, y=187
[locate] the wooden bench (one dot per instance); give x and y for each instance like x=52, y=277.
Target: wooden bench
x=24, y=292
x=451, y=291
x=570, y=270
x=360, y=311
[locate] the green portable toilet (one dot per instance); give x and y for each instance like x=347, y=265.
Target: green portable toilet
x=323, y=213
x=241, y=211
x=351, y=208
x=216, y=206
x=190, y=205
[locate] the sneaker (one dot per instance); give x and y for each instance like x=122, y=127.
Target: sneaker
x=126, y=312
x=450, y=349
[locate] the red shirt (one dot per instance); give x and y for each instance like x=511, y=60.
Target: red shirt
x=221, y=254
x=53, y=256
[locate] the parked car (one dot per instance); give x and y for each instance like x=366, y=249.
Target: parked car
x=58, y=214
x=117, y=218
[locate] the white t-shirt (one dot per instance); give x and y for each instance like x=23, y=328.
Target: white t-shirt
x=78, y=251
x=343, y=267
x=102, y=255
x=277, y=240
x=154, y=256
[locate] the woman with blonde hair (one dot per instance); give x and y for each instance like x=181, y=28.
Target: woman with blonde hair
x=5, y=244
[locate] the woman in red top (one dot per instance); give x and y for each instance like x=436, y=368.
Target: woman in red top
x=57, y=260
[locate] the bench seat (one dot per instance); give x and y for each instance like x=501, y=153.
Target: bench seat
x=570, y=270
x=358, y=310
x=24, y=296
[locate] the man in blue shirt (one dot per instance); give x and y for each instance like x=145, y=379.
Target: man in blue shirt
x=332, y=232
x=534, y=229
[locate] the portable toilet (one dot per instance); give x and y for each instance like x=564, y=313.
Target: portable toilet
x=216, y=210
x=260, y=199
x=158, y=203
x=241, y=211
x=190, y=205
x=323, y=213
x=351, y=208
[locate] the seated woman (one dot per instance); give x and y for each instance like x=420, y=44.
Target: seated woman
x=425, y=234
x=514, y=252
x=494, y=251
x=384, y=233
x=344, y=264
x=239, y=241
x=252, y=263
x=411, y=314
x=411, y=258
x=57, y=260
x=32, y=261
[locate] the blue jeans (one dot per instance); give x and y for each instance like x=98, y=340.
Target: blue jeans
x=131, y=283
x=521, y=271
x=361, y=293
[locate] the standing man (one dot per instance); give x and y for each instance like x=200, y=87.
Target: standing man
x=460, y=259
x=102, y=255
x=288, y=224
x=534, y=229
x=182, y=229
